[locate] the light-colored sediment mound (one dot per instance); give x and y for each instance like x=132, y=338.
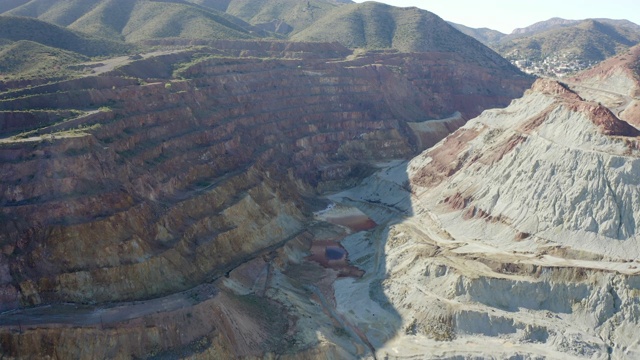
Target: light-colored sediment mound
x=515, y=237
x=551, y=164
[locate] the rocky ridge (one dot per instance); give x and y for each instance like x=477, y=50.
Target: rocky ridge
x=513, y=237
x=614, y=83
x=587, y=134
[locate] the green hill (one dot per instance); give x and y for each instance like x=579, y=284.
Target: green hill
x=557, y=23
x=21, y=28
x=7, y=5
x=220, y=5
x=542, y=26
x=135, y=20
x=30, y=59
x=61, y=13
x=295, y=15
x=377, y=26
x=161, y=20
x=103, y=18
x=484, y=35
x=588, y=40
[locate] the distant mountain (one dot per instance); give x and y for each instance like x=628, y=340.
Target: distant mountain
x=555, y=23
x=378, y=26
x=556, y=47
x=281, y=16
x=135, y=20
x=21, y=28
x=106, y=27
x=545, y=25
x=589, y=40
x=62, y=13
x=366, y=25
x=484, y=35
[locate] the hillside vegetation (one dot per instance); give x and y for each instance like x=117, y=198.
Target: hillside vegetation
x=368, y=25
x=161, y=20
x=377, y=26
x=284, y=16
x=62, y=13
x=31, y=59
x=135, y=20
x=484, y=35
x=542, y=26
x=109, y=27
x=30, y=48
x=590, y=40
x=22, y=28
x=557, y=23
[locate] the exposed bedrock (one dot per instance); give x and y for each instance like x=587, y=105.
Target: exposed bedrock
x=440, y=286
x=170, y=172
x=551, y=164
x=455, y=303
x=516, y=237
x=172, y=182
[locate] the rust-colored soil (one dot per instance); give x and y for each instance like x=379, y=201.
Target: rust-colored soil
x=355, y=223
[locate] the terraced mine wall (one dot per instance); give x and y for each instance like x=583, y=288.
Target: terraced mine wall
x=170, y=181
x=182, y=166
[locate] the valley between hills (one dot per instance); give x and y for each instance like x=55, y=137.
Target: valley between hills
x=276, y=179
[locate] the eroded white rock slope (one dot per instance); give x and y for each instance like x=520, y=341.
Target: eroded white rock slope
x=517, y=237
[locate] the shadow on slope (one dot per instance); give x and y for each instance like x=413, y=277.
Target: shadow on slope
x=365, y=302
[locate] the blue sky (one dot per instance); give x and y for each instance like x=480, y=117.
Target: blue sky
x=506, y=15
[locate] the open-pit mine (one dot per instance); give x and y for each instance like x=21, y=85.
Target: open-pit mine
x=165, y=206
x=294, y=200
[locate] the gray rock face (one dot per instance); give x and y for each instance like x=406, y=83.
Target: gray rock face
x=546, y=165
x=515, y=237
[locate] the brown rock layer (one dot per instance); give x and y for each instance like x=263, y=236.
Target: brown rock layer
x=607, y=122
x=181, y=179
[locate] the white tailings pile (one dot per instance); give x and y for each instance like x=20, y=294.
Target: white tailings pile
x=515, y=239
